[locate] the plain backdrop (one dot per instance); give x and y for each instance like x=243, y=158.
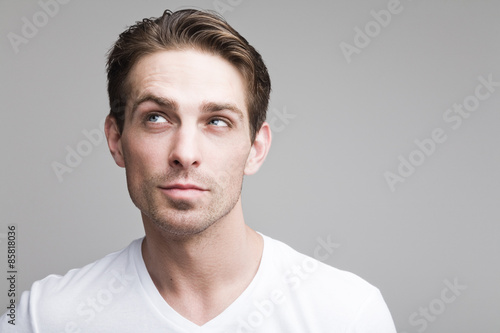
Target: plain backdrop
x=354, y=90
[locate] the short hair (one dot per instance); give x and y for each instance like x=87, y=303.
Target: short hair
x=188, y=28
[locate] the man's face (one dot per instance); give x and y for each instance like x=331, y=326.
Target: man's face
x=186, y=139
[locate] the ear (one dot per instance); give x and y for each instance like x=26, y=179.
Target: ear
x=259, y=150
x=113, y=136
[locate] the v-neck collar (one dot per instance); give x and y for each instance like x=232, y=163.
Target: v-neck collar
x=177, y=320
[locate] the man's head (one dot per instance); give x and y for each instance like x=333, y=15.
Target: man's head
x=188, y=29
x=185, y=133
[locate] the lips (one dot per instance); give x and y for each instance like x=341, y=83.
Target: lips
x=183, y=187
x=183, y=191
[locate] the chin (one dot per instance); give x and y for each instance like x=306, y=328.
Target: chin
x=181, y=223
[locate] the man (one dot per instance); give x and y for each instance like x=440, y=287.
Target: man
x=188, y=100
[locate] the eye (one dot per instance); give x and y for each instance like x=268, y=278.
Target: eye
x=218, y=122
x=156, y=118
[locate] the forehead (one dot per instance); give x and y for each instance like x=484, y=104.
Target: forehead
x=188, y=77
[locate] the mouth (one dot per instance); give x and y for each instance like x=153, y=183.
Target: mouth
x=183, y=191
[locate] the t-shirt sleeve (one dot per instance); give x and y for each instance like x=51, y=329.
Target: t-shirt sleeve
x=373, y=316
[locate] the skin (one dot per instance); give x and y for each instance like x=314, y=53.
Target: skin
x=185, y=147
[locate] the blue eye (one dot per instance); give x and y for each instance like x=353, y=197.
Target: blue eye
x=156, y=118
x=218, y=122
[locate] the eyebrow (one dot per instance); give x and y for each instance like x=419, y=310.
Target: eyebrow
x=214, y=107
x=161, y=101
x=207, y=107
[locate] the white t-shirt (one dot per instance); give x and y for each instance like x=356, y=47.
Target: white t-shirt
x=290, y=293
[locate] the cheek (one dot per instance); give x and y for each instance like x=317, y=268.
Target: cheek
x=142, y=157
x=232, y=167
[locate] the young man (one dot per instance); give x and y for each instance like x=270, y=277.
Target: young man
x=188, y=100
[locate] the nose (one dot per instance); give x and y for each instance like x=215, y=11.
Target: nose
x=185, y=149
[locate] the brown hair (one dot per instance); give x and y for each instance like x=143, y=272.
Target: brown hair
x=189, y=28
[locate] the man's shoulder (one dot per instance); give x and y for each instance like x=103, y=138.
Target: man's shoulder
x=77, y=295
x=68, y=294
x=306, y=275
x=340, y=299
x=78, y=279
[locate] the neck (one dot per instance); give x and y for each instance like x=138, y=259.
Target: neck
x=200, y=275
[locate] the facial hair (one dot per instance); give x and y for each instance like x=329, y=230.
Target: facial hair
x=183, y=217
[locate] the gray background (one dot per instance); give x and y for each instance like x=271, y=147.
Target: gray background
x=324, y=176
